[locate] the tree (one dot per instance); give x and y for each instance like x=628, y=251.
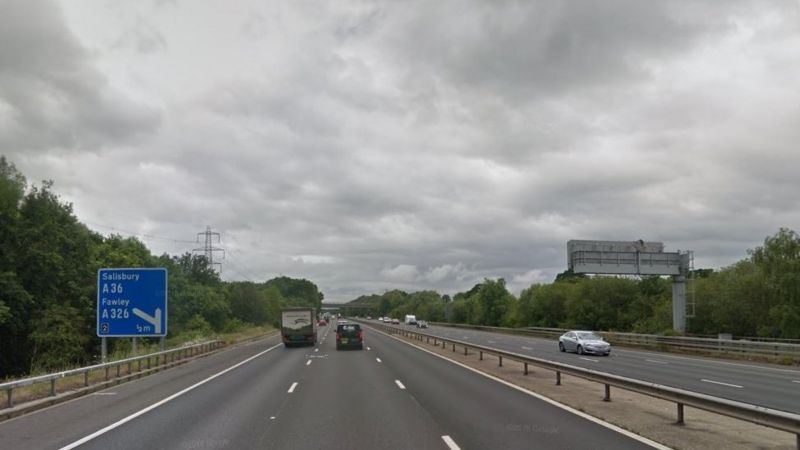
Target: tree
x=569, y=275
x=298, y=292
x=249, y=303
x=779, y=260
x=58, y=338
x=493, y=300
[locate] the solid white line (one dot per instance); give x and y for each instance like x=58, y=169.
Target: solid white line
x=570, y=409
x=104, y=393
x=378, y=359
x=657, y=362
x=291, y=389
x=719, y=382
x=526, y=348
x=399, y=384
x=308, y=363
x=157, y=404
x=450, y=443
x=795, y=381
x=589, y=359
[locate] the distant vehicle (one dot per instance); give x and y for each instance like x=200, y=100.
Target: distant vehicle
x=322, y=322
x=411, y=319
x=395, y=322
x=422, y=324
x=369, y=317
x=298, y=326
x=582, y=342
x=349, y=335
x=381, y=319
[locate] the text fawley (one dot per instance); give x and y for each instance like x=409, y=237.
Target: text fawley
x=124, y=302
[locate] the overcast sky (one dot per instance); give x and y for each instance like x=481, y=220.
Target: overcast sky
x=415, y=145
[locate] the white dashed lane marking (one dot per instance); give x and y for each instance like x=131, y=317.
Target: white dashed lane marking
x=721, y=383
x=589, y=359
x=399, y=384
x=378, y=359
x=451, y=444
x=291, y=389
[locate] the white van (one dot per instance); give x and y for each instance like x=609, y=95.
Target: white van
x=411, y=319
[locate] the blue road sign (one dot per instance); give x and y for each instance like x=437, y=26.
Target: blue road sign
x=131, y=302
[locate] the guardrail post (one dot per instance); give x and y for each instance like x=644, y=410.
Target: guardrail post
x=130, y=366
x=607, y=398
x=53, y=387
x=86, y=378
x=481, y=357
x=558, y=378
x=680, y=415
x=427, y=339
x=454, y=347
x=500, y=361
x=526, y=368
x=106, y=373
x=465, y=350
x=8, y=399
x=140, y=365
x=118, y=370
x=435, y=342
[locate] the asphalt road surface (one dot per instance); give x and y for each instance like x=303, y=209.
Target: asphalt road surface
x=261, y=395
x=768, y=385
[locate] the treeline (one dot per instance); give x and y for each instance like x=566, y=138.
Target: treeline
x=48, y=281
x=758, y=296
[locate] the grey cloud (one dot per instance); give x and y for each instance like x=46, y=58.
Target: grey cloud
x=542, y=48
x=427, y=145
x=52, y=97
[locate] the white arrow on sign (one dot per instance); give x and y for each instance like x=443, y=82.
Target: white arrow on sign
x=155, y=319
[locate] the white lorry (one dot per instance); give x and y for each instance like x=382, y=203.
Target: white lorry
x=298, y=326
x=411, y=319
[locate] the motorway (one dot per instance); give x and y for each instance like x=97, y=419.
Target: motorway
x=767, y=385
x=261, y=395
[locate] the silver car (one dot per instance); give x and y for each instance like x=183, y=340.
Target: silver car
x=584, y=342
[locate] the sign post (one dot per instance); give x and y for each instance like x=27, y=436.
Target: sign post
x=131, y=303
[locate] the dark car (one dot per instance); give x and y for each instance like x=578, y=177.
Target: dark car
x=349, y=335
